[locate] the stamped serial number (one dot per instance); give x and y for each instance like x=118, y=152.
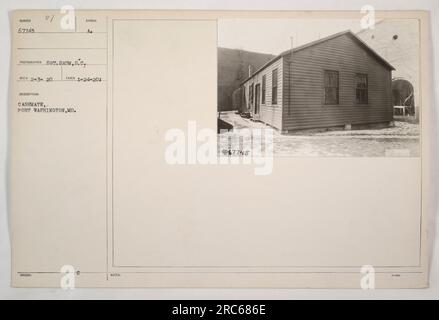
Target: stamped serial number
x=234, y=309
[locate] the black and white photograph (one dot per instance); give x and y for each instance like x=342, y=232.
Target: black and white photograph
x=244, y=152
x=327, y=87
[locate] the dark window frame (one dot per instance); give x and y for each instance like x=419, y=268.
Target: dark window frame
x=263, y=88
x=361, y=88
x=327, y=88
x=274, y=86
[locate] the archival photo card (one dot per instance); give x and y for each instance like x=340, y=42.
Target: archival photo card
x=233, y=149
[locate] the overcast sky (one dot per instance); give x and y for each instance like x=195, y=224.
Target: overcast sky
x=273, y=35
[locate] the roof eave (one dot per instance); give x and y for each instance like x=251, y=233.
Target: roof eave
x=310, y=44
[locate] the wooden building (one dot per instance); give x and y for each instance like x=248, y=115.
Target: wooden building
x=335, y=81
x=232, y=70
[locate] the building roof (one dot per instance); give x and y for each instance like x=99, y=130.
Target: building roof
x=316, y=42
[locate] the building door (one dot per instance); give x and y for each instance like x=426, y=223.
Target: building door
x=257, y=98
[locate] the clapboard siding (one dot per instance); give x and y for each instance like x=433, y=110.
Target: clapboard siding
x=269, y=113
x=304, y=86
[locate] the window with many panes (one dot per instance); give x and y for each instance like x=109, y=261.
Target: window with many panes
x=264, y=84
x=361, y=88
x=250, y=93
x=331, y=87
x=274, y=87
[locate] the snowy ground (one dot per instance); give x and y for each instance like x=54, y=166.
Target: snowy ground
x=402, y=140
